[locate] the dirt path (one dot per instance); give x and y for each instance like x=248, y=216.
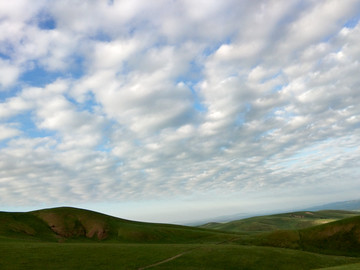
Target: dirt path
x=166, y=260
x=183, y=253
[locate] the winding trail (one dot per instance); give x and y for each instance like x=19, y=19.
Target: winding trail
x=181, y=254
x=165, y=261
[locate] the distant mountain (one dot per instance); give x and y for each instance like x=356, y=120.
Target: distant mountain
x=72, y=224
x=343, y=205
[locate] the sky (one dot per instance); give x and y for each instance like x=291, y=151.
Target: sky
x=177, y=110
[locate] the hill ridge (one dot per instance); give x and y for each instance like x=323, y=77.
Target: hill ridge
x=283, y=221
x=75, y=224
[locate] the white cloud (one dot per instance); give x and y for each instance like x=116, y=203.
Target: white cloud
x=165, y=99
x=318, y=22
x=8, y=74
x=8, y=132
x=112, y=55
x=13, y=106
x=20, y=10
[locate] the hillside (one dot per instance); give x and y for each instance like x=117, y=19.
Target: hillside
x=287, y=221
x=340, y=237
x=72, y=224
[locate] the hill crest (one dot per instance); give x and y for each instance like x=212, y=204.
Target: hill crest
x=74, y=224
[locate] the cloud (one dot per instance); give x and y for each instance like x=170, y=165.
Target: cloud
x=177, y=98
x=318, y=22
x=8, y=74
x=8, y=132
x=13, y=106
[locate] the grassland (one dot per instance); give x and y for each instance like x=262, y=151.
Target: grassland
x=253, y=257
x=30, y=255
x=69, y=238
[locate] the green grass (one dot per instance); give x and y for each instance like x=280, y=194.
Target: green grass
x=287, y=221
x=251, y=257
x=32, y=255
x=69, y=256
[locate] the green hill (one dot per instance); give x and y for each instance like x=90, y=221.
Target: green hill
x=287, y=221
x=72, y=224
x=340, y=237
x=24, y=226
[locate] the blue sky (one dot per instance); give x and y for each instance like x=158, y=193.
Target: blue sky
x=174, y=111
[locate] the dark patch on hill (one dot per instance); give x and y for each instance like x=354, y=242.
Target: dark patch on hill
x=71, y=223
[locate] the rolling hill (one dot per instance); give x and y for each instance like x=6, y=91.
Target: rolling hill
x=72, y=224
x=340, y=237
x=287, y=221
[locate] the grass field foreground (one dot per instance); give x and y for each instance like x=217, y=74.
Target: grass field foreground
x=253, y=258
x=89, y=256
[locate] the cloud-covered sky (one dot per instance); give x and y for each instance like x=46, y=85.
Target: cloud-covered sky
x=175, y=110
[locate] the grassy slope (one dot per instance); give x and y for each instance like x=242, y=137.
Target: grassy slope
x=24, y=226
x=72, y=224
x=287, y=221
x=341, y=237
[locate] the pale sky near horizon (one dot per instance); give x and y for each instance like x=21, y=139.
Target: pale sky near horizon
x=177, y=110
